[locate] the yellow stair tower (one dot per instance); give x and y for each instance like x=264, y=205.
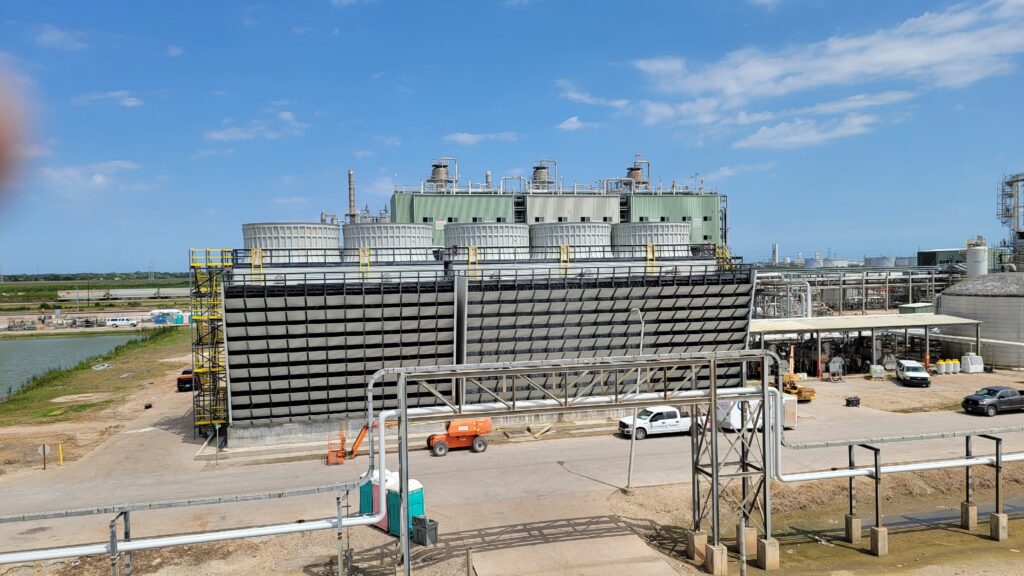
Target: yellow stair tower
x=210, y=397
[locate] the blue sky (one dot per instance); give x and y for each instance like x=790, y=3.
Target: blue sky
x=862, y=127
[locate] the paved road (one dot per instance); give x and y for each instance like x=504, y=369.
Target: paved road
x=565, y=478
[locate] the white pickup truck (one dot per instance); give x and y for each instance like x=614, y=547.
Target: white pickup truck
x=669, y=420
x=656, y=420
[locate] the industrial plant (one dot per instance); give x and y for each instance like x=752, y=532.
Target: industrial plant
x=454, y=273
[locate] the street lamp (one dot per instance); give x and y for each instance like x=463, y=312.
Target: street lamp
x=636, y=390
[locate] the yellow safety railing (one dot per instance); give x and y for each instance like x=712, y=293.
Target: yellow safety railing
x=563, y=258
x=650, y=258
x=256, y=263
x=473, y=260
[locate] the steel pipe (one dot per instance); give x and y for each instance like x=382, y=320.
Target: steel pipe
x=272, y=530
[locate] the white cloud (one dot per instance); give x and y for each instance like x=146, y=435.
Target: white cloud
x=284, y=123
x=57, y=39
x=802, y=132
x=174, y=51
x=122, y=97
x=30, y=151
x=220, y=93
x=955, y=47
x=470, y=138
x=281, y=102
x=859, y=102
x=301, y=29
x=727, y=171
x=389, y=140
x=291, y=200
x=571, y=93
x=769, y=4
x=699, y=111
x=212, y=152
x=361, y=154
x=84, y=182
x=574, y=123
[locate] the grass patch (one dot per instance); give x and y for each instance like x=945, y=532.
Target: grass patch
x=33, y=403
x=46, y=291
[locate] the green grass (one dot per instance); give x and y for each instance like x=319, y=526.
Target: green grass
x=33, y=334
x=33, y=403
x=39, y=291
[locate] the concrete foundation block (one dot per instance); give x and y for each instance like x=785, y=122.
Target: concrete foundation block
x=768, y=553
x=715, y=560
x=750, y=536
x=696, y=540
x=853, y=529
x=968, y=516
x=998, y=527
x=879, y=541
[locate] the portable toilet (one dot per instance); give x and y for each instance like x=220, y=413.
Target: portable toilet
x=370, y=492
x=416, y=507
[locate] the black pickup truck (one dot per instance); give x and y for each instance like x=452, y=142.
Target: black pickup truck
x=992, y=400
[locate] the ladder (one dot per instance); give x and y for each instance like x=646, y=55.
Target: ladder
x=209, y=399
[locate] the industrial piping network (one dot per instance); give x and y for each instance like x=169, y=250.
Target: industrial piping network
x=770, y=396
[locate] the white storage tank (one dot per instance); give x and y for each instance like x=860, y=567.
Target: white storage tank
x=583, y=239
x=906, y=261
x=811, y=263
x=293, y=242
x=492, y=240
x=977, y=261
x=879, y=261
x=670, y=239
x=997, y=300
x=836, y=263
x=388, y=242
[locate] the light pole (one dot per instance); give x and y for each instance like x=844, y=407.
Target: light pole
x=632, y=436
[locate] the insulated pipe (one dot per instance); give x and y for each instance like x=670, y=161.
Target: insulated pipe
x=775, y=397
x=273, y=530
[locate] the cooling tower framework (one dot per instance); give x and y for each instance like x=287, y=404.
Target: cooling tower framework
x=301, y=342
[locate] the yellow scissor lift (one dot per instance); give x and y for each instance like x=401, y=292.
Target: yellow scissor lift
x=210, y=398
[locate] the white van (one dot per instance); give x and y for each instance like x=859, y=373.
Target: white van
x=122, y=321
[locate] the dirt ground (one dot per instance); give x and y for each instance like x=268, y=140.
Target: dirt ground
x=945, y=393
x=20, y=444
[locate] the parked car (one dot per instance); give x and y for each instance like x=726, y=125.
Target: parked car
x=186, y=380
x=912, y=373
x=120, y=321
x=992, y=400
x=656, y=420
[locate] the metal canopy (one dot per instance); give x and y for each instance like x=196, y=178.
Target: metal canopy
x=853, y=323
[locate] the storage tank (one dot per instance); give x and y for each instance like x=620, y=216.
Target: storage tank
x=293, y=242
x=671, y=239
x=583, y=239
x=836, y=263
x=977, y=261
x=811, y=263
x=388, y=242
x=997, y=301
x=880, y=261
x=493, y=240
x=906, y=261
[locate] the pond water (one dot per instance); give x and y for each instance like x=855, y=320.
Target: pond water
x=23, y=358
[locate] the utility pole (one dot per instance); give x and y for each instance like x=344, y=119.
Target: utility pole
x=632, y=436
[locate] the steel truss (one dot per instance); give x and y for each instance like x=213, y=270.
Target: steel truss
x=629, y=381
